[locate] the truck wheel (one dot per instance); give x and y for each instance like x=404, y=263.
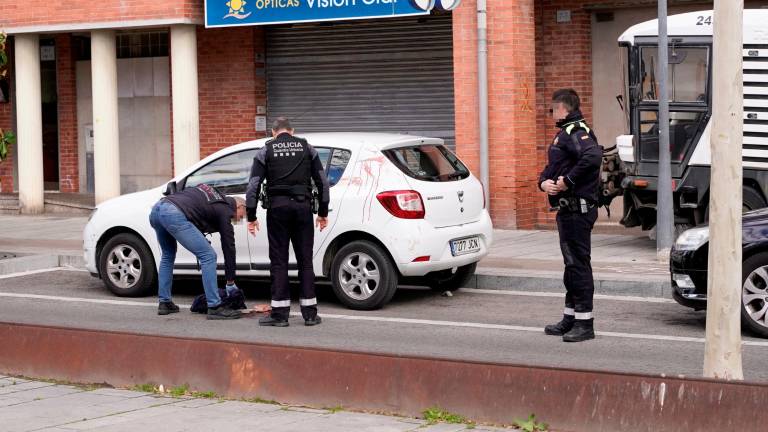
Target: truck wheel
x=754, y=294
x=127, y=267
x=752, y=199
x=363, y=276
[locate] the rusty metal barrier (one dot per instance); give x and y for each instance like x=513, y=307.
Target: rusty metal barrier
x=569, y=400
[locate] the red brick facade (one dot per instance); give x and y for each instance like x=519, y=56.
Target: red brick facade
x=67, y=100
x=512, y=104
x=230, y=89
x=21, y=13
x=6, y=123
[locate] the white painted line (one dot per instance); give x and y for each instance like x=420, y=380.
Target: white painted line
x=560, y=295
x=29, y=273
x=437, y=323
x=83, y=300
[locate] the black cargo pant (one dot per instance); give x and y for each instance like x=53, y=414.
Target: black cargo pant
x=575, y=231
x=291, y=222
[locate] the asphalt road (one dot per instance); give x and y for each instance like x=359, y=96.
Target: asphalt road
x=652, y=336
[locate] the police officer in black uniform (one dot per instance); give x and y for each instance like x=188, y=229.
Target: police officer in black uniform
x=571, y=180
x=289, y=165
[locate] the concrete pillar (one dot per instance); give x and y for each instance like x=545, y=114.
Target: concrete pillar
x=29, y=118
x=106, y=135
x=186, y=113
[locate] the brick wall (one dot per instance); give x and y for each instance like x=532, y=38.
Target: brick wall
x=67, y=97
x=563, y=59
x=6, y=123
x=230, y=89
x=512, y=75
x=22, y=13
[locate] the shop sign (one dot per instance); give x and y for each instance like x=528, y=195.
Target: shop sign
x=226, y=13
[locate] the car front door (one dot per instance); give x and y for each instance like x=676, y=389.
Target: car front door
x=230, y=175
x=334, y=162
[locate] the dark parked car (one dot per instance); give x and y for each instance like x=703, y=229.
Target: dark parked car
x=688, y=266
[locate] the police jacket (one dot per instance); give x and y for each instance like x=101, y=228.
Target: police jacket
x=575, y=155
x=289, y=165
x=210, y=211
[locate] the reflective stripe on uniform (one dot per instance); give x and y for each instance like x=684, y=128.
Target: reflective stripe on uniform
x=308, y=302
x=569, y=311
x=569, y=127
x=584, y=315
x=281, y=303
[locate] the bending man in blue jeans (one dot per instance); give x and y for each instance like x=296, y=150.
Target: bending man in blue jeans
x=183, y=217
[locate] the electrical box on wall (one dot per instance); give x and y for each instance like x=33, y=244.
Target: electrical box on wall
x=564, y=16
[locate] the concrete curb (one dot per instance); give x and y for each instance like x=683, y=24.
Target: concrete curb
x=541, y=281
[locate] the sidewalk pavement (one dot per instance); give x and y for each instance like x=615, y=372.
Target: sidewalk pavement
x=46, y=407
x=624, y=261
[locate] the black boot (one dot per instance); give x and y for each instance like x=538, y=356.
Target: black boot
x=271, y=321
x=581, y=331
x=166, y=308
x=561, y=328
x=222, y=312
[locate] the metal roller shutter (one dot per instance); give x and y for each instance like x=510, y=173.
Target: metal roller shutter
x=391, y=75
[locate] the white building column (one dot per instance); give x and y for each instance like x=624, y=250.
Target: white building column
x=29, y=119
x=106, y=135
x=186, y=114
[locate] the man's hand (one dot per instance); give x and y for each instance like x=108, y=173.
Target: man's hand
x=561, y=184
x=550, y=187
x=253, y=227
x=321, y=222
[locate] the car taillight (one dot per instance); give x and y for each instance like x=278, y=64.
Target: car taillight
x=483, y=186
x=403, y=204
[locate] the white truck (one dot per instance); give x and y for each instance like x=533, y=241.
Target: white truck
x=690, y=90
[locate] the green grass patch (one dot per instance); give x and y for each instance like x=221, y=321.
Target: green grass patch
x=531, y=425
x=204, y=395
x=436, y=415
x=179, y=391
x=145, y=388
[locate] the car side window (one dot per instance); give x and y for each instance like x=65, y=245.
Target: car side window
x=334, y=162
x=230, y=174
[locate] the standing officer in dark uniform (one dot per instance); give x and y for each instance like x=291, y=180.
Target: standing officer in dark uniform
x=289, y=165
x=571, y=179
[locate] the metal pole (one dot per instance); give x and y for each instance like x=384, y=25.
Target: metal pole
x=482, y=95
x=722, y=351
x=665, y=217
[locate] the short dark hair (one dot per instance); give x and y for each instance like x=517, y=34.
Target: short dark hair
x=568, y=97
x=281, y=123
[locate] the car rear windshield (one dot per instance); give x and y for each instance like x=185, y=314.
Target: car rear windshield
x=428, y=162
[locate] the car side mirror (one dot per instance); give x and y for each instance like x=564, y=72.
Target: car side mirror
x=170, y=189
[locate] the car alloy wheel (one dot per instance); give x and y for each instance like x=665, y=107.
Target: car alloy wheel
x=359, y=276
x=124, y=266
x=755, y=296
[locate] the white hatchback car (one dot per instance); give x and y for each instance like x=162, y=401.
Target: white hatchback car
x=402, y=208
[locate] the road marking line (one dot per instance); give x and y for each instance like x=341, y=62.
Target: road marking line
x=29, y=272
x=438, y=323
x=560, y=295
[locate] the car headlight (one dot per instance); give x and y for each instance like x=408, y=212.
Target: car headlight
x=692, y=239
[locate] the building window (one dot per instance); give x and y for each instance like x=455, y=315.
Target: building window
x=129, y=45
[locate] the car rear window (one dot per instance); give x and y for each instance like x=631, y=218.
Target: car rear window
x=428, y=162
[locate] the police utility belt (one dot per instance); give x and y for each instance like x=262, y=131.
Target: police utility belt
x=299, y=193
x=573, y=205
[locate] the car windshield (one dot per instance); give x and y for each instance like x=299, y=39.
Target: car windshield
x=428, y=162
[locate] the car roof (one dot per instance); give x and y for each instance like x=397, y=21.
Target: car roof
x=352, y=141
x=349, y=140
x=687, y=24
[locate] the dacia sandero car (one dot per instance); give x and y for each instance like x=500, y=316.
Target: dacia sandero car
x=688, y=267
x=401, y=208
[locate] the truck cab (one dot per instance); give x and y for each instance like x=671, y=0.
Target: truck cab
x=690, y=110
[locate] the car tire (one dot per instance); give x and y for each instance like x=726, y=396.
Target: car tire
x=363, y=276
x=758, y=290
x=447, y=280
x=127, y=267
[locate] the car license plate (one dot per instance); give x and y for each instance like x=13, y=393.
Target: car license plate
x=465, y=246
